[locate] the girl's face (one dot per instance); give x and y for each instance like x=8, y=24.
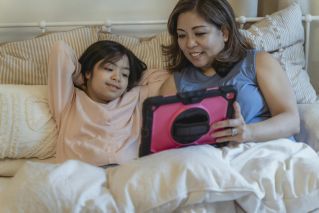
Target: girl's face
x=109, y=81
x=199, y=40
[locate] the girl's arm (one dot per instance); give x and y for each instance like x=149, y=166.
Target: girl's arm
x=62, y=66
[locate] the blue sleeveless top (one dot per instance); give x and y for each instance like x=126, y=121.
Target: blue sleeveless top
x=242, y=76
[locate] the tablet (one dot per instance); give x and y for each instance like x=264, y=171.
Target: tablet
x=184, y=119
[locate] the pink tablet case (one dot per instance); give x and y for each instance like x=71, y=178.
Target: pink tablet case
x=184, y=119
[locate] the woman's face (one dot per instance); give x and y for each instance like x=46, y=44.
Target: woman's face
x=109, y=81
x=199, y=40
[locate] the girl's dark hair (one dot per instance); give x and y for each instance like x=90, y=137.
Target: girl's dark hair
x=220, y=14
x=111, y=51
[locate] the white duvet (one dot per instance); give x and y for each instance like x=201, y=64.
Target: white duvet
x=276, y=176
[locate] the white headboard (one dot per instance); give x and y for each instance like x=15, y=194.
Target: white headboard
x=137, y=27
x=38, y=12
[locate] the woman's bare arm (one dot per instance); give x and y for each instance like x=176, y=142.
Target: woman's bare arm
x=168, y=87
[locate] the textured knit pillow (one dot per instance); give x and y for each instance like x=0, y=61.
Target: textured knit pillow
x=282, y=35
x=147, y=49
x=25, y=62
x=27, y=128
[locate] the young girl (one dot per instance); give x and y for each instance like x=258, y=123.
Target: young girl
x=95, y=103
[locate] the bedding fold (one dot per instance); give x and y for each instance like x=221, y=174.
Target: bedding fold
x=276, y=176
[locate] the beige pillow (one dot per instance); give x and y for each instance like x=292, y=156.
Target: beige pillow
x=25, y=62
x=27, y=128
x=147, y=49
x=282, y=35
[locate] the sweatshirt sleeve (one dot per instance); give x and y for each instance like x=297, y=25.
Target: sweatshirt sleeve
x=63, y=66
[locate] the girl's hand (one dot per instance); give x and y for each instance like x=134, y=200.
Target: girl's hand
x=234, y=130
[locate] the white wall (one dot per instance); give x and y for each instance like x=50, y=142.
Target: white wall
x=81, y=10
x=70, y=10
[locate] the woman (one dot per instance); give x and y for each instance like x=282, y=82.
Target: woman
x=207, y=50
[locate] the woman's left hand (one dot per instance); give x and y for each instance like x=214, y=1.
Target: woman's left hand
x=234, y=130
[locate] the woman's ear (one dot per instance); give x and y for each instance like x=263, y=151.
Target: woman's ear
x=225, y=32
x=87, y=75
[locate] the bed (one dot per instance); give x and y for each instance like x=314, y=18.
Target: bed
x=252, y=177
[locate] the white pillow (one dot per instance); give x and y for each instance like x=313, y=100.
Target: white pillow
x=27, y=128
x=282, y=34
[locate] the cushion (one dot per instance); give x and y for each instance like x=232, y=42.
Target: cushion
x=147, y=49
x=282, y=35
x=27, y=128
x=25, y=62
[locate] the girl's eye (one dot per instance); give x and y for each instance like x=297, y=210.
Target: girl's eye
x=108, y=69
x=125, y=75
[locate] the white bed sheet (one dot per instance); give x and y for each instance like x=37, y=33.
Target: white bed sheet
x=277, y=176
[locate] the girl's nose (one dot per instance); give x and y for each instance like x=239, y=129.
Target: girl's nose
x=116, y=76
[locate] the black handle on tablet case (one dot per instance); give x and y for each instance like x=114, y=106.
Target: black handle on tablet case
x=188, y=133
x=190, y=125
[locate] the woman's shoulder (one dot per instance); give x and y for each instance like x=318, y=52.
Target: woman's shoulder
x=168, y=87
x=266, y=64
x=263, y=58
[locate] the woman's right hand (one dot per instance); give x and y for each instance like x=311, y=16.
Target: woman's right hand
x=234, y=130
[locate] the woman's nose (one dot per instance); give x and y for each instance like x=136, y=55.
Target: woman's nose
x=190, y=42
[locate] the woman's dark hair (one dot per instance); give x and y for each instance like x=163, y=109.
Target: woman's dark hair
x=220, y=14
x=110, y=51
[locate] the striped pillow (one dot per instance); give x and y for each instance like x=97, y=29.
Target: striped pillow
x=282, y=35
x=147, y=49
x=25, y=62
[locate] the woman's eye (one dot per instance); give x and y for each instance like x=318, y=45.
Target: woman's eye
x=180, y=36
x=200, y=34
